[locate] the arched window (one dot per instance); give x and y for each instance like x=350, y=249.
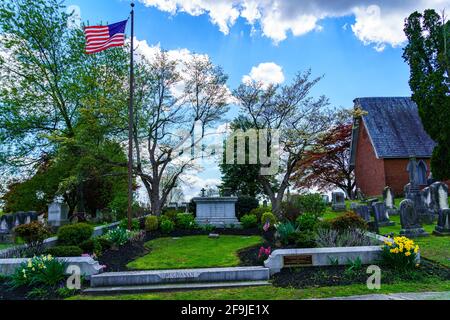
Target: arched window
x=422, y=172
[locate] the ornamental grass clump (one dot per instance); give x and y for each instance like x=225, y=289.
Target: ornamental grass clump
x=401, y=253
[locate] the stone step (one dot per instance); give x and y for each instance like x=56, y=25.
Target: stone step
x=173, y=287
x=142, y=278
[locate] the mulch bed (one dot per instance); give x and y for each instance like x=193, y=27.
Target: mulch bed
x=6, y=293
x=340, y=275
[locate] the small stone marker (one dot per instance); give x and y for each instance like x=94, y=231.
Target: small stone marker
x=214, y=235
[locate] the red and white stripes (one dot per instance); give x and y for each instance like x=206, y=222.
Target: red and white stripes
x=98, y=38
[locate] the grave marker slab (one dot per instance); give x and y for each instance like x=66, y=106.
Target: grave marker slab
x=410, y=221
x=338, y=201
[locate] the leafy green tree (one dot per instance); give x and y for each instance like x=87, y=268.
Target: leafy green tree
x=240, y=179
x=427, y=53
x=61, y=109
x=299, y=120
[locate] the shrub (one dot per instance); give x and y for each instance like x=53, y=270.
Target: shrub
x=43, y=271
x=192, y=207
x=171, y=214
x=341, y=238
x=258, y=212
x=290, y=211
x=310, y=203
x=285, y=232
x=185, y=221
x=167, y=226
x=74, y=234
x=305, y=239
x=249, y=221
x=349, y=220
x=33, y=233
x=135, y=225
x=268, y=216
x=307, y=222
x=401, y=254
x=91, y=246
x=245, y=205
x=151, y=223
x=118, y=236
x=65, y=251
x=104, y=243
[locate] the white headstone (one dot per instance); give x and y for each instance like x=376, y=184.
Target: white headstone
x=4, y=226
x=443, y=198
x=58, y=214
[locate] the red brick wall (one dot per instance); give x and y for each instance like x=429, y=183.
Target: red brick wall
x=369, y=171
x=397, y=176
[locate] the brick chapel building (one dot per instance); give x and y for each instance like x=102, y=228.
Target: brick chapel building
x=383, y=141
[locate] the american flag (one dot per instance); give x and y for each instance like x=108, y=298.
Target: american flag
x=99, y=38
x=267, y=226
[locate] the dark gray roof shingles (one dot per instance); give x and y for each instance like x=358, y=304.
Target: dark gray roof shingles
x=395, y=127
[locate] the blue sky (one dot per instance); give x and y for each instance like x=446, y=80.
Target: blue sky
x=351, y=68
x=358, y=48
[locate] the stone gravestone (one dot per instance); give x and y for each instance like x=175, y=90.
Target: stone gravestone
x=338, y=201
x=5, y=230
x=410, y=221
x=58, y=214
x=363, y=212
x=443, y=225
x=381, y=215
x=3, y=225
x=353, y=206
x=440, y=193
x=217, y=211
x=428, y=199
x=360, y=195
x=326, y=199
x=388, y=197
x=412, y=192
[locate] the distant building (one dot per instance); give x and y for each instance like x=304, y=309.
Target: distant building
x=383, y=140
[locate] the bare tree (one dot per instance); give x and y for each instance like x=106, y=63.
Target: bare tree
x=173, y=99
x=298, y=119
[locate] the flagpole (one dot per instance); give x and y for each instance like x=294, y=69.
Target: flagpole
x=130, y=124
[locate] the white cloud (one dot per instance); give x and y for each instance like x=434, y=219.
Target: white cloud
x=75, y=19
x=377, y=22
x=265, y=73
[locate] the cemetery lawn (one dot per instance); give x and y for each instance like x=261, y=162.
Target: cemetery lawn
x=5, y=245
x=432, y=247
x=278, y=293
x=194, y=252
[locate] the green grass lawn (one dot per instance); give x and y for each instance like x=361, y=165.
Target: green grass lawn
x=276, y=293
x=432, y=247
x=193, y=252
x=5, y=245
